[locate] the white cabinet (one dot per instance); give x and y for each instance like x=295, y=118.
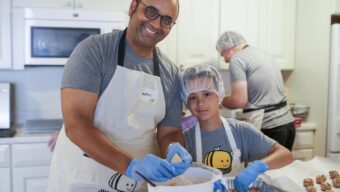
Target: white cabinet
x=169, y=45
x=5, y=34
x=30, y=162
x=24, y=164
x=30, y=179
x=266, y=24
x=5, y=180
x=303, y=148
x=121, y=5
x=197, y=32
x=4, y=155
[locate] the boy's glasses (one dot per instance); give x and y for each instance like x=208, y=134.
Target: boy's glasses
x=152, y=13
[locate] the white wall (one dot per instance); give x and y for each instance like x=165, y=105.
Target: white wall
x=308, y=83
x=36, y=92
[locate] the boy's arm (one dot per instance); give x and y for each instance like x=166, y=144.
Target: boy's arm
x=278, y=157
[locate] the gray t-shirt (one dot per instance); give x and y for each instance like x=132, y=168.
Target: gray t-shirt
x=252, y=143
x=265, y=83
x=93, y=62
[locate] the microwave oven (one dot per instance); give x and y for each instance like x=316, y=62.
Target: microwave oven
x=48, y=36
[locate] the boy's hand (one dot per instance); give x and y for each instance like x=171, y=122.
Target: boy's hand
x=152, y=167
x=249, y=175
x=179, y=157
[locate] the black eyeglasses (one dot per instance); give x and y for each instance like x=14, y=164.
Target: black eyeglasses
x=152, y=13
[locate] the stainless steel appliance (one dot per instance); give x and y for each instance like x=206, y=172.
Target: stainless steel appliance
x=5, y=110
x=47, y=37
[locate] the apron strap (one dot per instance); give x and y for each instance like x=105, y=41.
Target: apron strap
x=121, y=55
x=267, y=108
x=236, y=153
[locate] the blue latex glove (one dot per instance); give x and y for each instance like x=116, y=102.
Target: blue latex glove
x=180, y=167
x=152, y=167
x=249, y=175
x=219, y=187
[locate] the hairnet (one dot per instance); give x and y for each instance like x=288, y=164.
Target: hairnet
x=201, y=77
x=229, y=40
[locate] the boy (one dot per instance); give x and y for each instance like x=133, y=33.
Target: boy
x=225, y=143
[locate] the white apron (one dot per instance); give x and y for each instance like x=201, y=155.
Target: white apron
x=254, y=117
x=127, y=113
x=236, y=153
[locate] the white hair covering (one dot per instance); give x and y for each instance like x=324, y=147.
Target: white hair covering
x=229, y=39
x=208, y=79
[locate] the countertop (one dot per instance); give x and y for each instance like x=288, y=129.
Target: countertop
x=25, y=138
x=306, y=126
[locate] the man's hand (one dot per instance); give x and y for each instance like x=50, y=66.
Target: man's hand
x=249, y=175
x=183, y=162
x=152, y=167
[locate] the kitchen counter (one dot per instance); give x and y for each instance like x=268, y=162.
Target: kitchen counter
x=290, y=178
x=306, y=126
x=20, y=137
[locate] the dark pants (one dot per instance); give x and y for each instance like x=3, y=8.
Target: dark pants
x=284, y=134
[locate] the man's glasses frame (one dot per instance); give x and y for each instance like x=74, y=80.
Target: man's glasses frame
x=152, y=13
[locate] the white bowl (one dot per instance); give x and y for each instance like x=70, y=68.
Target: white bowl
x=195, y=179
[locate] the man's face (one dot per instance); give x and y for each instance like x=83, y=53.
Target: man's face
x=147, y=33
x=227, y=54
x=203, y=104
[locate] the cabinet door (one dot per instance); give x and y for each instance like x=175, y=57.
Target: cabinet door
x=169, y=45
x=266, y=24
x=197, y=30
x=5, y=180
x=115, y=5
x=4, y=155
x=31, y=154
x=5, y=34
x=30, y=179
x=277, y=30
x=43, y=3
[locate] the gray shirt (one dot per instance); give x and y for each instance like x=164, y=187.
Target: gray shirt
x=93, y=62
x=252, y=143
x=265, y=83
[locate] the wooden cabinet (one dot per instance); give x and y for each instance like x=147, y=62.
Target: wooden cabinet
x=5, y=34
x=266, y=24
x=303, y=148
x=119, y=5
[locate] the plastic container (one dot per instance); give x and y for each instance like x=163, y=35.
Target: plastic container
x=195, y=179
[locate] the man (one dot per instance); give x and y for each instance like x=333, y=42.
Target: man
x=257, y=87
x=116, y=89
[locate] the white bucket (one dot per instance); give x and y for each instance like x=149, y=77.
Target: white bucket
x=195, y=179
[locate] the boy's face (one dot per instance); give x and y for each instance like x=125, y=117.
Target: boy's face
x=203, y=104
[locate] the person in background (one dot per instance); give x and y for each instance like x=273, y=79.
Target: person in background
x=121, y=108
x=53, y=140
x=225, y=143
x=257, y=87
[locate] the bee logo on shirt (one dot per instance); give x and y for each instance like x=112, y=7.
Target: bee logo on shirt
x=218, y=159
